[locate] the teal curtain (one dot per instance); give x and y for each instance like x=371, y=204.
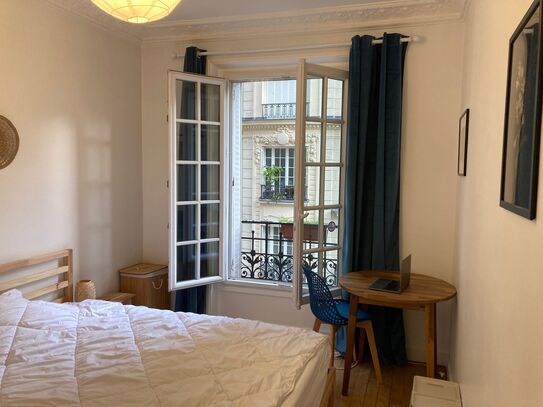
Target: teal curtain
x=191, y=299
x=372, y=203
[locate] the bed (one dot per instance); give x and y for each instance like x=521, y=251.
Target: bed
x=54, y=352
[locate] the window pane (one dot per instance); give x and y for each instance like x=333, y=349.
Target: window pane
x=311, y=230
x=330, y=266
x=186, y=141
x=185, y=100
x=313, y=135
x=312, y=186
x=186, y=223
x=210, y=221
x=209, y=259
x=186, y=262
x=331, y=227
x=333, y=143
x=210, y=142
x=331, y=185
x=314, y=97
x=210, y=102
x=186, y=183
x=335, y=99
x=210, y=182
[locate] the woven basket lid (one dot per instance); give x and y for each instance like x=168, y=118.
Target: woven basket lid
x=9, y=142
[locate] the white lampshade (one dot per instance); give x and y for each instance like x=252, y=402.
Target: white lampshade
x=137, y=11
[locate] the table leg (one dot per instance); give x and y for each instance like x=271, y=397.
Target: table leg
x=351, y=327
x=431, y=343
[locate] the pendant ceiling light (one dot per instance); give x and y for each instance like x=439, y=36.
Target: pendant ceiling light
x=137, y=11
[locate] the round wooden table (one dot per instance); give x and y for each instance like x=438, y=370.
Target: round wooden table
x=423, y=293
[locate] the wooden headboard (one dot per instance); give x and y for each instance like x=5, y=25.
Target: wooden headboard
x=62, y=289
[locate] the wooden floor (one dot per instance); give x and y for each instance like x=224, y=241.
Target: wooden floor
x=395, y=391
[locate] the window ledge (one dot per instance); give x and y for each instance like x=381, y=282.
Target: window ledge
x=250, y=287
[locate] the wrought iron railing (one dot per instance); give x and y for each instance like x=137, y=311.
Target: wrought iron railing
x=277, y=192
x=262, y=262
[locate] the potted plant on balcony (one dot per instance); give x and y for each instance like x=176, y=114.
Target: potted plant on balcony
x=272, y=175
x=311, y=230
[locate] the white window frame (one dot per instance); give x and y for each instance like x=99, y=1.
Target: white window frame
x=173, y=76
x=286, y=174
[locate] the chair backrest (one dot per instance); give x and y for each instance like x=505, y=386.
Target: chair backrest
x=321, y=301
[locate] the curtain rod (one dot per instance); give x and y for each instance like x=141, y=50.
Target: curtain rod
x=414, y=38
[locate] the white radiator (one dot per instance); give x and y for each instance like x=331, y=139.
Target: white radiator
x=429, y=392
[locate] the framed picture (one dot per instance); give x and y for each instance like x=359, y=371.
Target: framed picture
x=522, y=129
x=463, y=129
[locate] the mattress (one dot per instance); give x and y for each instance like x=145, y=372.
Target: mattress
x=98, y=353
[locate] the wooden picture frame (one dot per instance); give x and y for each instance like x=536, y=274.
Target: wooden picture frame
x=463, y=133
x=522, y=125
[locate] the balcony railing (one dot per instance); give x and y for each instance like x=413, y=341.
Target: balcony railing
x=277, y=192
x=261, y=262
x=279, y=110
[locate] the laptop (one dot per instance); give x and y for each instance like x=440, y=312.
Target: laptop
x=394, y=286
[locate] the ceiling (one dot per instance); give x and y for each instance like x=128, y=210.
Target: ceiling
x=201, y=9
x=202, y=19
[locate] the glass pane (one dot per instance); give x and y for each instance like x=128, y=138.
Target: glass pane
x=311, y=230
x=211, y=102
x=331, y=185
x=312, y=186
x=186, y=183
x=186, y=141
x=333, y=143
x=314, y=97
x=185, y=97
x=335, y=99
x=331, y=227
x=313, y=136
x=209, y=259
x=311, y=261
x=210, y=182
x=186, y=223
x=330, y=267
x=186, y=262
x=210, y=142
x=210, y=221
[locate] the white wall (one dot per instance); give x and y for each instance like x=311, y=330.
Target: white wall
x=73, y=91
x=498, y=331
x=431, y=106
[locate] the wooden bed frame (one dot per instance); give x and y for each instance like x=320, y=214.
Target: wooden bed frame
x=63, y=289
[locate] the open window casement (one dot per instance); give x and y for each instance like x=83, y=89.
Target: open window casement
x=197, y=180
x=321, y=99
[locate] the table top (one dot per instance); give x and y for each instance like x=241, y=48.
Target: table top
x=422, y=290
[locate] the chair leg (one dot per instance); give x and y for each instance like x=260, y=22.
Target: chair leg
x=361, y=345
x=373, y=349
x=317, y=325
x=333, y=330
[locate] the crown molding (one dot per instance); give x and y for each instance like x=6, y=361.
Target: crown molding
x=372, y=15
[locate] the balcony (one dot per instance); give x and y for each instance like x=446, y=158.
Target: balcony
x=279, y=110
x=277, y=192
x=263, y=254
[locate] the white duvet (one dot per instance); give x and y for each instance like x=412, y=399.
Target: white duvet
x=99, y=353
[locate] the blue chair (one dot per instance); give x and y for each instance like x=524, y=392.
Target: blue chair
x=335, y=312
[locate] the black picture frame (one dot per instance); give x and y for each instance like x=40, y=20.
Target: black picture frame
x=522, y=125
x=463, y=134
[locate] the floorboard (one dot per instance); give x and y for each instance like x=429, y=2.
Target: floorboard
x=364, y=391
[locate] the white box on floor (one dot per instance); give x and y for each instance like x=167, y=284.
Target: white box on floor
x=429, y=392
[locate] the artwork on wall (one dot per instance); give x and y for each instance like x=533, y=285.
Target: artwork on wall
x=522, y=129
x=9, y=142
x=463, y=130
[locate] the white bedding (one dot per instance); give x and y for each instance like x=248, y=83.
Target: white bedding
x=99, y=353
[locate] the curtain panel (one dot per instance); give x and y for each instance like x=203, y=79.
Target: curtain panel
x=372, y=202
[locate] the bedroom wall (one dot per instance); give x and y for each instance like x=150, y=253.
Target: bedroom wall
x=498, y=330
x=73, y=91
x=431, y=111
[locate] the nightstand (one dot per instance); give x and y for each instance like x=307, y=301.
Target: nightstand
x=124, y=298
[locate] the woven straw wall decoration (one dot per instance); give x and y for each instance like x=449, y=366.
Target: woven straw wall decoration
x=9, y=142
